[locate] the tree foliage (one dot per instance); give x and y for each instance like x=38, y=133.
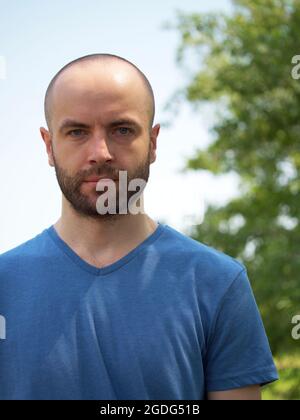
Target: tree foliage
x=245, y=70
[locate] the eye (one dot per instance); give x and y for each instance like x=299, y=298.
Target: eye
x=76, y=133
x=124, y=130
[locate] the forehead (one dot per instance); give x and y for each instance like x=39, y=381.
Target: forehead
x=99, y=93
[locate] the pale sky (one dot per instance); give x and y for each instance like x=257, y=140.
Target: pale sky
x=37, y=38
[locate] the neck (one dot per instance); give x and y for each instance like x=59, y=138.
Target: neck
x=103, y=238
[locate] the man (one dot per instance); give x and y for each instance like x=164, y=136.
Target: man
x=116, y=305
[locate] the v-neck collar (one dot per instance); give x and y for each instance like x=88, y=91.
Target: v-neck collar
x=111, y=267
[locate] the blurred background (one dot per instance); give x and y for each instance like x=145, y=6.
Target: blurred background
x=226, y=78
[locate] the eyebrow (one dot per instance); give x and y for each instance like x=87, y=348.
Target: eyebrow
x=68, y=123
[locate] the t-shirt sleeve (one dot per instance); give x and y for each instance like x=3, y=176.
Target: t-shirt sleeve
x=238, y=351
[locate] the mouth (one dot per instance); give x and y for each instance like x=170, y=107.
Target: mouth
x=102, y=181
x=95, y=180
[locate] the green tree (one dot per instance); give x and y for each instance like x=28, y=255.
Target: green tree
x=244, y=70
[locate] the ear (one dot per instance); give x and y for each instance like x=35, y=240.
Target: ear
x=153, y=142
x=46, y=136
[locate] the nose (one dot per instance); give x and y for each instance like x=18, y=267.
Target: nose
x=98, y=148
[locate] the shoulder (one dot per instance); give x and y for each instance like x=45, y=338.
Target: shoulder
x=22, y=254
x=204, y=256
x=211, y=268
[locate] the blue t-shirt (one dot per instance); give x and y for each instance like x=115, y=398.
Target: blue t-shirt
x=171, y=320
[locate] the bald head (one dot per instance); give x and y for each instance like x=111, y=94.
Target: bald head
x=111, y=69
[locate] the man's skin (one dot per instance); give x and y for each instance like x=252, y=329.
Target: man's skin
x=100, y=97
x=250, y=393
x=97, y=95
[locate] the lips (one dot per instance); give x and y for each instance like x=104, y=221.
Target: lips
x=96, y=179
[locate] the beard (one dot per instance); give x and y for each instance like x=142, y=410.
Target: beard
x=85, y=203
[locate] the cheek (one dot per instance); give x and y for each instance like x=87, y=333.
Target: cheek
x=71, y=158
x=137, y=151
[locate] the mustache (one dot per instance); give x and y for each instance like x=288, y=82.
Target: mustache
x=100, y=171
